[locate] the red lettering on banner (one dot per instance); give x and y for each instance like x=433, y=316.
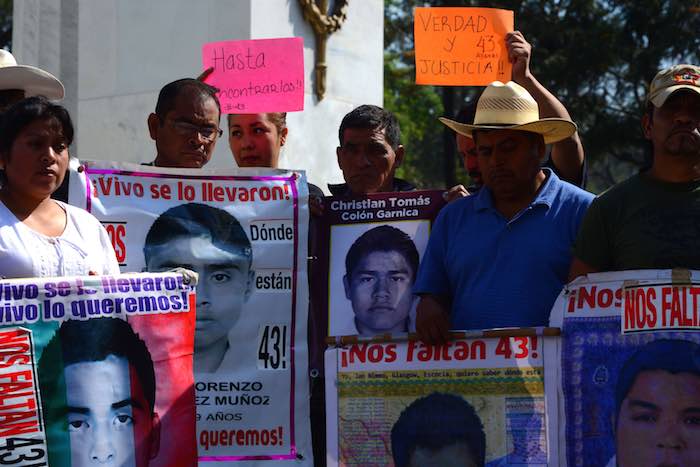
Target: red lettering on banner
x=390, y=351
x=117, y=234
x=210, y=192
x=14, y=342
x=677, y=306
x=250, y=437
x=605, y=298
x=517, y=347
x=13, y=360
x=640, y=310
x=586, y=296
x=694, y=292
x=457, y=350
x=160, y=191
x=373, y=353
x=13, y=387
x=676, y=312
x=18, y=405
x=592, y=297
x=503, y=348
x=115, y=187
x=670, y=305
x=665, y=304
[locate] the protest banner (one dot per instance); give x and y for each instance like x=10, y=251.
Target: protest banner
x=477, y=401
x=666, y=306
x=96, y=370
x=382, y=236
x=625, y=399
x=245, y=232
x=254, y=76
x=461, y=46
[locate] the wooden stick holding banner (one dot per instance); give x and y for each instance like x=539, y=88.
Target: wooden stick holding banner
x=340, y=341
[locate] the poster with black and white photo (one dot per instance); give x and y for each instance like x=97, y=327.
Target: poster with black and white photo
x=369, y=252
x=244, y=231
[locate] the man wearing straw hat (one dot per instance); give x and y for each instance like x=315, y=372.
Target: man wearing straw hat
x=652, y=220
x=566, y=157
x=500, y=258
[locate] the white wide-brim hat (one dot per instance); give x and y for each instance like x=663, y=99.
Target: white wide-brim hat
x=32, y=80
x=510, y=107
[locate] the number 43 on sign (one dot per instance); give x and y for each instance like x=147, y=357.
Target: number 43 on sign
x=272, y=347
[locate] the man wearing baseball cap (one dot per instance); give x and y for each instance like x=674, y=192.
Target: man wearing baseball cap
x=500, y=258
x=652, y=220
x=20, y=81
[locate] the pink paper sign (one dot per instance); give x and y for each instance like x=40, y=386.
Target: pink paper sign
x=262, y=75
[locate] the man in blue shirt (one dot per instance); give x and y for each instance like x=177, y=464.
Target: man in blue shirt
x=501, y=257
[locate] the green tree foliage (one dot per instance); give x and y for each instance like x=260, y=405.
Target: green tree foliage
x=596, y=56
x=417, y=109
x=430, y=151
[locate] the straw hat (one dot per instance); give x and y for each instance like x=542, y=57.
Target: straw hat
x=510, y=107
x=33, y=81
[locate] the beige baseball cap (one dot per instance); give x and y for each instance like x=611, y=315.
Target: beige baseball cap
x=672, y=79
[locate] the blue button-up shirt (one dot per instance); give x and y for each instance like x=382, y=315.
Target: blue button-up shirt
x=499, y=272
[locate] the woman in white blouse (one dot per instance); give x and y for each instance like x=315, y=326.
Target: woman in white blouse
x=41, y=237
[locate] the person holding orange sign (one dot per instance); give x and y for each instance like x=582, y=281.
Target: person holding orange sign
x=566, y=158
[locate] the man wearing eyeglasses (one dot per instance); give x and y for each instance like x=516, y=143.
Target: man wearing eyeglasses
x=185, y=125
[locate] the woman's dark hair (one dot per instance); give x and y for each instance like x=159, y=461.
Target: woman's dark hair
x=28, y=110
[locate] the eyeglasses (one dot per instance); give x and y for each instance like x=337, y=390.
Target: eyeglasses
x=208, y=133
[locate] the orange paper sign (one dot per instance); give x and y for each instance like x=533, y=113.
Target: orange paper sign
x=461, y=46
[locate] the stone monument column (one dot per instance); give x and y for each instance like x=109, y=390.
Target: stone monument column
x=113, y=56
